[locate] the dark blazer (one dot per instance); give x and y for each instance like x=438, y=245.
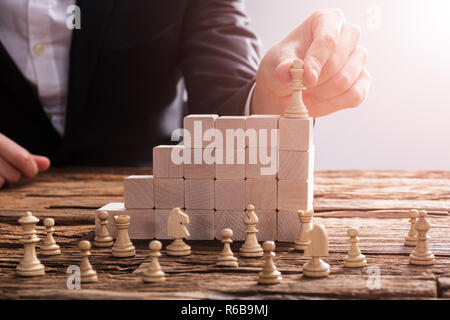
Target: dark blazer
x=125, y=90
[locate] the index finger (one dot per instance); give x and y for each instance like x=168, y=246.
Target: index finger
x=326, y=30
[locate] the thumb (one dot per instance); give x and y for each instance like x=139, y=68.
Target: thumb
x=43, y=163
x=283, y=76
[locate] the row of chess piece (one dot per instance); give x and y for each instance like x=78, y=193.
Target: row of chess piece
x=312, y=239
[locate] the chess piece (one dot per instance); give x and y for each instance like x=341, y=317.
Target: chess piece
x=306, y=224
x=296, y=108
x=176, y=229
x=123, y=247
x=421, y=255
x=30, y=265
x=103, y=239
x=49, y=246
x=269, y=273
x=88, y=274
x=354, y=259
x=154, y=272
x=411, y=237
x=317, y=248
x=226, y=258
x=251, y=248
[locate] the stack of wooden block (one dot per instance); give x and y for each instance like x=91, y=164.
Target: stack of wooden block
x=215, y=195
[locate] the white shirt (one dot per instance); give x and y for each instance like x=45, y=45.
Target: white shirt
x=35, y=34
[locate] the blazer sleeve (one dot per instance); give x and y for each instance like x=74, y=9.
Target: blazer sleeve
x=219, y=56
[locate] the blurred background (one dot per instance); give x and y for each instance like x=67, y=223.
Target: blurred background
x=405, y=122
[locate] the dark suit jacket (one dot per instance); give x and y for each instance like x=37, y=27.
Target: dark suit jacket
x=126, y=63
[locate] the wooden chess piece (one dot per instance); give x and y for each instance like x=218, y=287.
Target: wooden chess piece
x=226, y=258
x=251, y=247
x=103, y=238
x=30, y=265
x=411, y=237
x=88, y=274
x=49, y=246
x=317, y=248
x=354, y=259
x=296, y=108
x=305, y=218
x=123, y=247
x=269, y=274
x=176, y=228
x=154, y=272
x=421, y=255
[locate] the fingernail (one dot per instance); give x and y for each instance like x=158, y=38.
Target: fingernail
x=315, y=75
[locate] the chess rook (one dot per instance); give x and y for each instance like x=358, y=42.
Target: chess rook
x=269, y=274
x=154, y=274
x=226, y=258
x=176, y=228
x=411, y=237
x=103, y=238
x=30, y=265
x=422, y=256
x=251, y=248
x=123, y=247
x=354, y=259
x=49, y=246
x=317, y=248
x=305, y=218
x=88, y=274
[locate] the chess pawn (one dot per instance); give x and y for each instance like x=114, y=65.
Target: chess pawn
x=176, y=228
x=226, y=258
x=49, y=246
x=411, y=237
x=103, y=238
x=317, y=248
x=269, y=274
x=354, y=259
x=30, y=265
x=123, y=247
x=421, y=254
x=305, y=218
x=88, y=274
x=154, y=272
x=296, y=108
x=251, y=248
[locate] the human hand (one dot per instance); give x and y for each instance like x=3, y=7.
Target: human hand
x=16, y=162
x=335, y=73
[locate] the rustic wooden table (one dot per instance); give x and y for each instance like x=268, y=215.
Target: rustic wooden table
x=375, y=201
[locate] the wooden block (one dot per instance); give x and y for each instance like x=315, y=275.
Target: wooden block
x=264, y=167
x=269, y=123
x=295, y=134
x=142, y=223
x=163, y=166
x=169, y=193
x=199, y=193
x=201, y=226
x=138, y=192
x=295, y=195
x=204, y=122
x=229, y=194
x=267, y=225
x=200, y=164
x=237, y=124
x=230, y=164
x=232, y=220
x=296, y=165
x=262, y=193
x=288, y=226
x=161, y=216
